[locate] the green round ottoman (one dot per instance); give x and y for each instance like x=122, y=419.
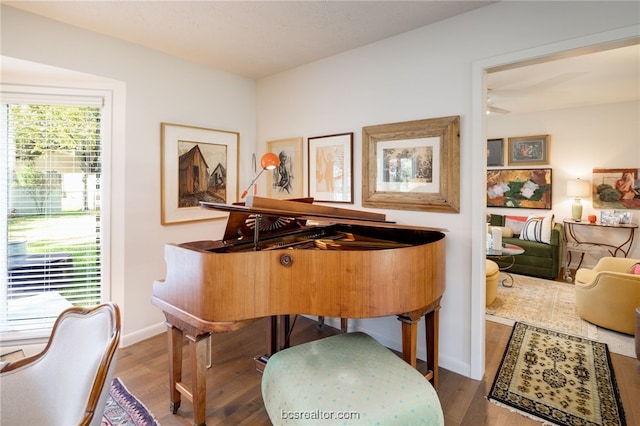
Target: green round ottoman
x=347, y=379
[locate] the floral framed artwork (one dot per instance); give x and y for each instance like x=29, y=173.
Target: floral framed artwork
x=495, y=152
x=519, y=188
x=286, y=180
x=197, y=164
x=330, y=168
x=529, y=150
x=616, y=189
x=412, y=165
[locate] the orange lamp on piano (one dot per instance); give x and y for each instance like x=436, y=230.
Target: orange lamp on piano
x=269, y=161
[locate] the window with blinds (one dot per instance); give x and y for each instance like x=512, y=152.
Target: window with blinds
x=51, y=193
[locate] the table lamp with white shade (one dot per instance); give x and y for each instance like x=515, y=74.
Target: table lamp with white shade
x=578, y=188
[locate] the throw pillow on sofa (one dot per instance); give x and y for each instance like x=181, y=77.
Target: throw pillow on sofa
x=506, y=232
x=538, y=228
x=516, y=223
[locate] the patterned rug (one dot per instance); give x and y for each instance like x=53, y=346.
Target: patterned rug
x=124, y=409
x=557, y=378
x=551, y=304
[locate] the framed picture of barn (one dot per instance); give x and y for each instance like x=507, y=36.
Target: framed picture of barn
x=197, y=164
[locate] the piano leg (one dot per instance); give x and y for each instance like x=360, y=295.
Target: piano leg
x=197, y=393
x=175, y=366
x=198, y=354
x=432, y=325
x=410, y=339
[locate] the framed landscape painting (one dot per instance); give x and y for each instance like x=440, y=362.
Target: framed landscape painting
x=197, y=164
x=519, y=188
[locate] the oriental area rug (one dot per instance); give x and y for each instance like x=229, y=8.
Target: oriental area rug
x=124, y=409
x=557, y=378
x=551, y=304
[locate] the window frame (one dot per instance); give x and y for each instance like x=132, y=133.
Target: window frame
x=60, y=95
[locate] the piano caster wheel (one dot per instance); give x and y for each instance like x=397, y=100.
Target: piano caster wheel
x=320, y=323
x=174, y=407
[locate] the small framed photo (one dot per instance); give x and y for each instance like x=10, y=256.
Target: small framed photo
x=495, y=152
x=286, y=180
x=624, y=216
x=607, y=217
x=197, y=164
x=330, y=164
x=529, y=150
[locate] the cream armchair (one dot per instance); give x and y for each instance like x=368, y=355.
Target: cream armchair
x=68, y=382
x=607, y=295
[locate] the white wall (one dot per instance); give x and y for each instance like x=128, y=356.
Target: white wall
x=581, y=139
x=422, y=74
x=158, y=89
x=427, y=73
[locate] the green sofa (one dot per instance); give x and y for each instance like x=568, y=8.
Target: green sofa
x=539, y=259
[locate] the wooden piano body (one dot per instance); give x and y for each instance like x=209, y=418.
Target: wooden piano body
x=347, y=265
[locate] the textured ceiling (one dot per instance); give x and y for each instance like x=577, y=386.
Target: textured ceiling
x=250, y=38
x=260, y=38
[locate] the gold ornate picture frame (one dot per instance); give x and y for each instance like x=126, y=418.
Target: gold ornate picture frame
x=412, y=165
x=529, y=150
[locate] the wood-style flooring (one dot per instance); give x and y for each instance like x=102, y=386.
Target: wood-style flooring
x=233, y=385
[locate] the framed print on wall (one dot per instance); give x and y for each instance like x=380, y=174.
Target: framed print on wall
x=529, y=150
x=197, y=164
x=412, y=165
x=495, y=152
x=616, y=188
x=330, y=165
x=286, y=180
x=519, y=188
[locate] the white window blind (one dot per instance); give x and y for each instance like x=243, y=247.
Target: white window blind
x=51, y=146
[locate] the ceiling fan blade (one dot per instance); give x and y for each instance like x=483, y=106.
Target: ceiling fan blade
x=496, y=110
x=536, y=87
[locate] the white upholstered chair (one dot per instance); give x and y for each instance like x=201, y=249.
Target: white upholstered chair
x=68, y=382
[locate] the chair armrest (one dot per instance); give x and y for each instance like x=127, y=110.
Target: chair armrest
x=556, y=234
x=615, y=264
x=608, y=278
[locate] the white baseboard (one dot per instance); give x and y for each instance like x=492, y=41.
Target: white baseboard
x=140, y=335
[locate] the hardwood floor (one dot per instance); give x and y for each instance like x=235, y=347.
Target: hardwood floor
x=233, y=385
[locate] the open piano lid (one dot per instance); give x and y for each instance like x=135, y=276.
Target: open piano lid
x=283, y=215
x=278, y=216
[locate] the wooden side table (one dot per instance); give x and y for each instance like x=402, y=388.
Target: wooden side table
x=574, y=243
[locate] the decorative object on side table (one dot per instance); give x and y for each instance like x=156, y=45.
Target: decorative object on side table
x=577, y=188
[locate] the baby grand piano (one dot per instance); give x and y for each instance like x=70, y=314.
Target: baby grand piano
x=282, y=257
